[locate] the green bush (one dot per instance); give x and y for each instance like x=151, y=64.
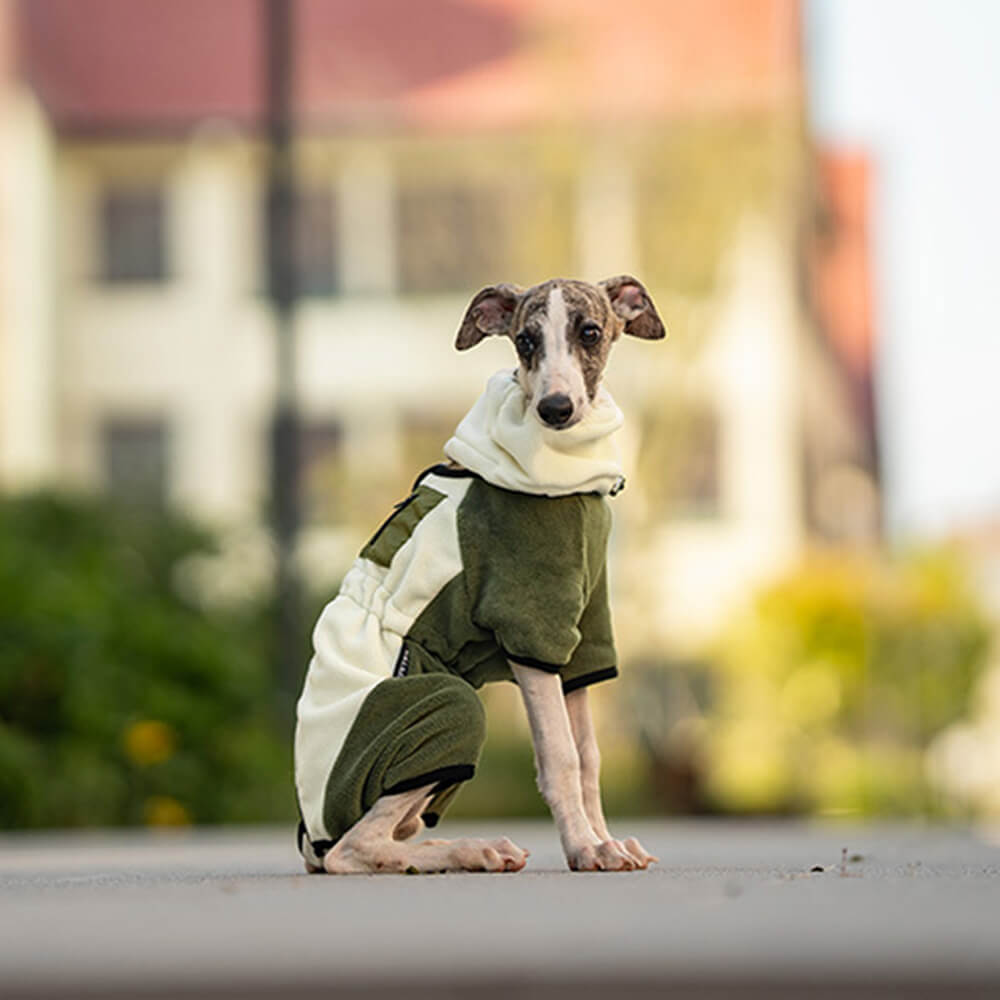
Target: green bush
x=829, y=690
x=121, y=700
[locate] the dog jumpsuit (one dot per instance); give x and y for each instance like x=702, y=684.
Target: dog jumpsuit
x=463, y=576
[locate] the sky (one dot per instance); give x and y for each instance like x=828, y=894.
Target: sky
x=916, y=84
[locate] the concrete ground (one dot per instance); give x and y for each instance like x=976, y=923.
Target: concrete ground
x=731, y=909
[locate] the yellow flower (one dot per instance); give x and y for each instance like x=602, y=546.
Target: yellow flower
x=161, y=810
x=149, y=742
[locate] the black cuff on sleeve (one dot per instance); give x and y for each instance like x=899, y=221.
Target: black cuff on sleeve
x=527, y=661
x=575, y=683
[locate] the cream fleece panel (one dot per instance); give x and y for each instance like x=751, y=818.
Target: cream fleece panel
x=429, y=558
x=358, y=637
x=502, y=441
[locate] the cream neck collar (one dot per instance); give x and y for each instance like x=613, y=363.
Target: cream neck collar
x=502, y=441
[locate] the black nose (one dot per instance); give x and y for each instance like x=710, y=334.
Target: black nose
x=556, y=409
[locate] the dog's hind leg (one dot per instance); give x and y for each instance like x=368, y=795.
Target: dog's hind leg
x=412, y=823
x=371, y=846
x=416, y=739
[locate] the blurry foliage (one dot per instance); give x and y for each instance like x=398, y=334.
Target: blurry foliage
x=828, y=692
x=698, y=181
x=505, y=783
x=120, y=700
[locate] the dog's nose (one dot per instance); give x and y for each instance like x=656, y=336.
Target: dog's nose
x=556, y=409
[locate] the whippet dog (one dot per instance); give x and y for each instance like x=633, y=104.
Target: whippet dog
x=493, y=568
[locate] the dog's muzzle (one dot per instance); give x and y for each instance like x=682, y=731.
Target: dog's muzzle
x=556, y=409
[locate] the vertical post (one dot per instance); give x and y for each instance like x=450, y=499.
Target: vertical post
x=278, y=57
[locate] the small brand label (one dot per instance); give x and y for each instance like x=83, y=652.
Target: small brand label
x=402, y=662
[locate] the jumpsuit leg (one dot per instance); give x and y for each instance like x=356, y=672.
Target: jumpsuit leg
x=425, y=729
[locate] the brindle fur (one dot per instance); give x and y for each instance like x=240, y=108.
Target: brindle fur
x=617, y=305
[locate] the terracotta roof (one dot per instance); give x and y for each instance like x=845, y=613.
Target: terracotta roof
x=624, y=59
x=164, y=64
x=842, y=269
x=843, y=277
x=118, y=63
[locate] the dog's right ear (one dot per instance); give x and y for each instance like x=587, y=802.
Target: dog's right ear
x=632, y=304
x=490, y=312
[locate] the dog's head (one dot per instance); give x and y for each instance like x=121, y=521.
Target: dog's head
x=563, y=332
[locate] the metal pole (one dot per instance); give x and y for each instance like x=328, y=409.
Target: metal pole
x=278, y=57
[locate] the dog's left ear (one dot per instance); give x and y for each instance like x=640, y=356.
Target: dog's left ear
x=490, y=312
x=631, y=302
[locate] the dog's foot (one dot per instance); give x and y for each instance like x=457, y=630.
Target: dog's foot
x=500, y=855
x=346, y=858
x=609, y=856
x=392, y=857
x=639, y=852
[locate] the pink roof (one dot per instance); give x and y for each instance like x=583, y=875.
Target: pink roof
x=164, y=64
x=843, y=278
x=842, y=274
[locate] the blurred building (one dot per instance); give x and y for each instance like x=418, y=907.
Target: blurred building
x=27, y=285
x=444, y=145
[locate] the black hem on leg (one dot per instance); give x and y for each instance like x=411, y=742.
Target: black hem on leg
x=441, y=777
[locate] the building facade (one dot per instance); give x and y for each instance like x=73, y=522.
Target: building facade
x=143, y=349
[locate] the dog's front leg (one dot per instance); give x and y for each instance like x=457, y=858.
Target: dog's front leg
x=582, y=726
x=557, y=762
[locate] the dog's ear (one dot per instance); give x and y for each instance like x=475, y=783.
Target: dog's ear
x=490, y=312
x=631, y=302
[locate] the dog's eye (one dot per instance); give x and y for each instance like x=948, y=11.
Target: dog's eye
x=590, y=334
x=525, y=343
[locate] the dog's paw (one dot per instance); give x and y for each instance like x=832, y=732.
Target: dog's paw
x=514, y=857
x=501, y=855
x=608, y=856
x=637, y=851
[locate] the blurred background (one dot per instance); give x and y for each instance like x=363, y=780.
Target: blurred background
x=236, y=240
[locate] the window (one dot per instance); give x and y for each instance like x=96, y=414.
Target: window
x=694, y=476
x=315, y=248
x=135, y=461
x=451, y=237
x=322, y=474
x=680, y=461
x=133, y=238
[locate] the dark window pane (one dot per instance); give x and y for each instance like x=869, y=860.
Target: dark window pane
x=135, y=461
x=314, y=237
x=323, y=487
x=315, y=249
x=133, y=237
x=451, y=237
x=694, y=486
x=680, y=460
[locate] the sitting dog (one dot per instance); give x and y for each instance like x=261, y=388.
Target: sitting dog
x=493, y=568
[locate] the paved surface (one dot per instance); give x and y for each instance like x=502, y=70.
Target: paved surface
x=915, y=911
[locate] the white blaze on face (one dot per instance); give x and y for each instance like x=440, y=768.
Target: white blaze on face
x=558, y=371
